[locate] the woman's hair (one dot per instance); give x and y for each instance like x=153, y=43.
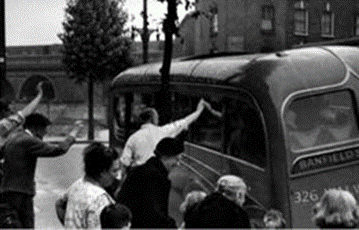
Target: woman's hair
x=97, y=159
x=336, y=208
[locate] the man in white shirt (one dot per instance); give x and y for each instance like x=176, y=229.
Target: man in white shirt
x=140, y=146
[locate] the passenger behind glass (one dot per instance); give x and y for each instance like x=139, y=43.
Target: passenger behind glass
x=337, y=121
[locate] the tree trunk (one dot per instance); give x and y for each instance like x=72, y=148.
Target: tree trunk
x=169, y=27
x=90, y=109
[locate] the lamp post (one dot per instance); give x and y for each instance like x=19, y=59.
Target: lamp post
x=2, y=38
x=145, y=33
x=5, y=87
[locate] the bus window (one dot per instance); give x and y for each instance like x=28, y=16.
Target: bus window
x=182, y=106
x=207, y=130
x=120, y=110
x=245, y=133
x=320, y=120
x=140, y=101
x=135, y=103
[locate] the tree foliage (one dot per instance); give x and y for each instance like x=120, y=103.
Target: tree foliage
x=93, y=39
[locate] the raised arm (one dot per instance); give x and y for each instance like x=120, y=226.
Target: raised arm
x=43, y=149
x=35, y=102
x=175, y=128
x=212, y=111
x=71, y=138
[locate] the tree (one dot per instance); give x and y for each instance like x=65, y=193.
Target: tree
x=169, y=28
x=94, y=46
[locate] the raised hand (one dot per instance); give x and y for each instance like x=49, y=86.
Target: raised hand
x=39, y=87
x=201, y=104
x=77, y=128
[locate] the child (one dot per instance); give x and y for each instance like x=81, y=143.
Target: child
x=192, y=199
x=116, y=216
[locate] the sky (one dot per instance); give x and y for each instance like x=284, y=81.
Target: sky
x=37, y=22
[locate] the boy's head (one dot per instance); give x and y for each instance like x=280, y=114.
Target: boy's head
x=116, y=216
x=37, y=124
x=149, y=115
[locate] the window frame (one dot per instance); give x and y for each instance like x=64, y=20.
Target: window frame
x=299, y=6
x=268, y=15
x=294, y=153
x=331, y=16
x=356, y=25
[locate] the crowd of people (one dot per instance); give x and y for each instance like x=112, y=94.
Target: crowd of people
x=131, y=190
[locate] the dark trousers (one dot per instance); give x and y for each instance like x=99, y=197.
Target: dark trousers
x=24, y=205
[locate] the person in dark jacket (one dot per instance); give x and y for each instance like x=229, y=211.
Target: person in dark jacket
x=146, y=189
x=222, y=208
x=21, y=151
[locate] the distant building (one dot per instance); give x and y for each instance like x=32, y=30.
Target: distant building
x=25, y=62
x=265, y=25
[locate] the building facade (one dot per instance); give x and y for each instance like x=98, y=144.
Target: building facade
x=267, y=25
x=44, y=61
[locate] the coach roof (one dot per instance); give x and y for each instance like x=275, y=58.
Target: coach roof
x=278, y=74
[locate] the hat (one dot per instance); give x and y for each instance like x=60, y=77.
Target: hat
x=169, y=147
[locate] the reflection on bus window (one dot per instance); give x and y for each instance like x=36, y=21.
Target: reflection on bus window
x=320, y=120
x=246, y=139
x=120, y=110
x=207, y=130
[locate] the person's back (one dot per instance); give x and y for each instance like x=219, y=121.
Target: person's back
x=19, y=169
x=140, y=146
x=83, y=198
x=216, y=211
x=10, y=121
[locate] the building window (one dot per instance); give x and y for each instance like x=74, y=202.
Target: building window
x=356, y=28
x=328, y=22
x=300, y=19
x=215, y=23
x=267, y=24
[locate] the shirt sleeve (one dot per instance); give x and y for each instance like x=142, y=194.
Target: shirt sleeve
x=40, y=148
x=126, y=157
x=10, y=123
x=175, y=128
